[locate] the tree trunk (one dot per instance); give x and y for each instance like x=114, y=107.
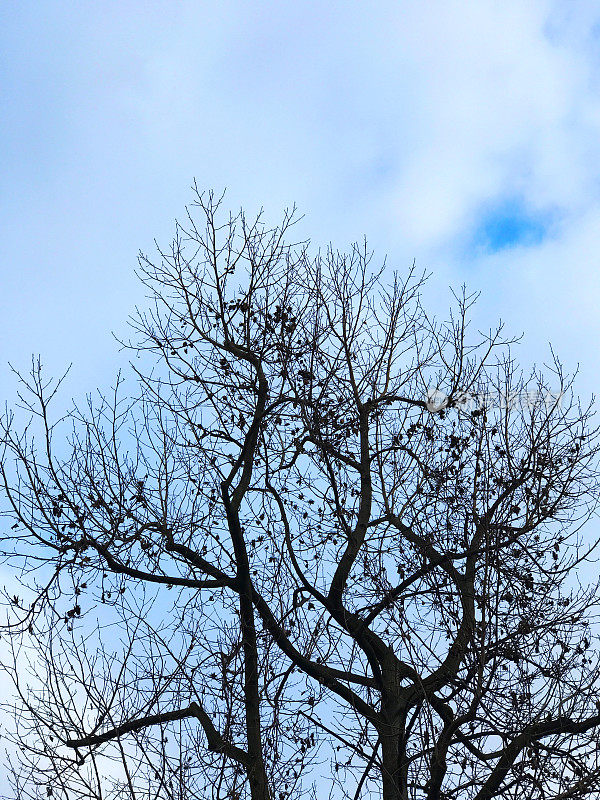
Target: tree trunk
x=257, y=776
x=391, y=731
x=394, y=782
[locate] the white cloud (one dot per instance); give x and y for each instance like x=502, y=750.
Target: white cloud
x=499, y=110
x=401, y=120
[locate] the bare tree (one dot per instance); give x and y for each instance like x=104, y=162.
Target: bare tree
x=284, y=566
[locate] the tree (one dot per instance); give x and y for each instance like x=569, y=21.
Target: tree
x=283, y=558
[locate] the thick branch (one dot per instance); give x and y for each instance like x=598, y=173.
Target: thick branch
x=216, y=743
x=173, y=580
x=530, y=734
x=357, y=536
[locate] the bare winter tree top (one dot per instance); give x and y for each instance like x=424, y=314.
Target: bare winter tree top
x=344, y=545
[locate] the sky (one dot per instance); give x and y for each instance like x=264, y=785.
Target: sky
x=463, y=136
x=459, y=135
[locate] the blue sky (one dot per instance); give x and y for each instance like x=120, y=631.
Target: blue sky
x=463, y=136
x=508, y=224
